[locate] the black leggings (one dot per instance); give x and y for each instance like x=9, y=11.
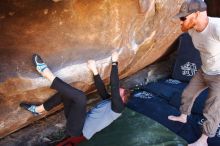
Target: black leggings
x=74, y=101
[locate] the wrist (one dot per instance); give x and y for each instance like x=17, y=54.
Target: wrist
x=114, y=62
x=95, y=72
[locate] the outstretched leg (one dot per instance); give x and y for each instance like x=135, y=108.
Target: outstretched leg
x=211, y=111
x=195, y=87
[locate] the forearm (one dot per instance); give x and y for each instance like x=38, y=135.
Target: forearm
x=117, y=104
x=114, y=79
x=101, y=87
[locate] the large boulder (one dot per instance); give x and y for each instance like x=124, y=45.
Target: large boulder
x=66, y=34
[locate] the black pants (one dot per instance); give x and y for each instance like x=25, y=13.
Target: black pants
x=74, y=101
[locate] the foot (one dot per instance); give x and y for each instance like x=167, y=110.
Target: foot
x=42, y=68
x=92, y=66
x=182, y=118
x=202, y=141
x=39, y=63
x=30, y=107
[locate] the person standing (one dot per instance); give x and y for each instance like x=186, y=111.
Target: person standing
x=205, y=33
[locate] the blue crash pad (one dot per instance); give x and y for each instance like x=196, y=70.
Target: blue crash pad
x=160, y=99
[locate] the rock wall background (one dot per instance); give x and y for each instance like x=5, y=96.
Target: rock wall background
x=68, y=33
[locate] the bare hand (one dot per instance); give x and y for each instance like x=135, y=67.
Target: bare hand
x=92, y=66
x=115, y=56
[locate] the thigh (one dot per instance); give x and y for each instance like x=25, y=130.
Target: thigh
x=70, y=104
x=195, y=86
x=76, y=118
x=67, y=103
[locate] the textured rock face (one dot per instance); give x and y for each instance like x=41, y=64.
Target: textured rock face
x=68, y=33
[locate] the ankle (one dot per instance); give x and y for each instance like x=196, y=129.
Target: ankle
x=204, y=138
x=48, y=74
x=183, y=116
x=51, y=78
